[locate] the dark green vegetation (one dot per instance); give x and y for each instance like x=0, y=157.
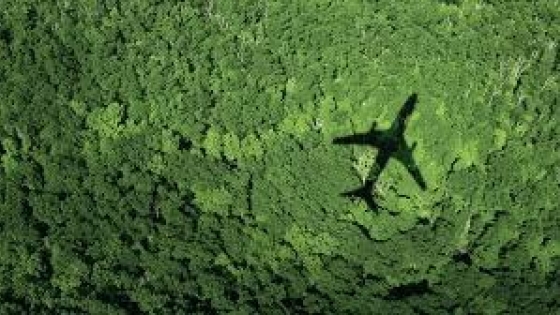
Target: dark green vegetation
x=167, y=157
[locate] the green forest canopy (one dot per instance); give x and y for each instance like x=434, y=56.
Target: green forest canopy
x=171, y=157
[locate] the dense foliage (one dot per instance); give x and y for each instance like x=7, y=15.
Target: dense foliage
x=175, y=157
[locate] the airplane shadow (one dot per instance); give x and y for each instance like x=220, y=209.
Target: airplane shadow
x=391, y=144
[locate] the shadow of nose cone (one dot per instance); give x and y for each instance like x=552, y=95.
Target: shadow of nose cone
x=412, y=98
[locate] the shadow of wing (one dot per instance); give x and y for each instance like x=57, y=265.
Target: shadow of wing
x=360, y=139
x=406, y=158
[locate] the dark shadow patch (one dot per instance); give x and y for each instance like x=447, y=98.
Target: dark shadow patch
x=463, y=257
x=409, y=290
x=6, y=36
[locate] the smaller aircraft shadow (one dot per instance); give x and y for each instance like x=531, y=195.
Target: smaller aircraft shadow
x=391, y=144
